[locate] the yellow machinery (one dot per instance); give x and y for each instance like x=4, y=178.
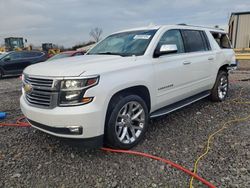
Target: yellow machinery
x=242, y=53
x=14, y=43
x=53, y=52
x=2, y=49
x=17, y=44
x=50, y=49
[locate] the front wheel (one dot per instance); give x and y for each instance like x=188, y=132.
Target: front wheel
x=127, y=123
x=220, y=89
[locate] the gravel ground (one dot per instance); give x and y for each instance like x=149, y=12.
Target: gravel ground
x=244, y=64
x=30, y=158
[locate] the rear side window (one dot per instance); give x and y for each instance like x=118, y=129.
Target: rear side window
x=37, y=54
x=31, y=54
x=222, y=40
x=26, y=55
x=195, y=41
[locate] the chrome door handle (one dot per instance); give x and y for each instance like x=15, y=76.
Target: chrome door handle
x=210, y=58
x=186, y=63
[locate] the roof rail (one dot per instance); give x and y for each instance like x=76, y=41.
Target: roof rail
x=183, y=24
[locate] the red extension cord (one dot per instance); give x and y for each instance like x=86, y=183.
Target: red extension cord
x=21, y=123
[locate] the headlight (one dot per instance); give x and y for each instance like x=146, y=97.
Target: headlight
x=73, y=84
x=72, y=91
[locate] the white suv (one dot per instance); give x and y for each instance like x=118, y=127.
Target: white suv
x=108, y=95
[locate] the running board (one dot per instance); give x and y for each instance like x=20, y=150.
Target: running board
x=175, y=106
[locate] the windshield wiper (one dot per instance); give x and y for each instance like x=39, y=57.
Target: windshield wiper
x=110, y=53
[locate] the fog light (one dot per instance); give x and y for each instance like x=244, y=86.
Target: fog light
x=75, y=129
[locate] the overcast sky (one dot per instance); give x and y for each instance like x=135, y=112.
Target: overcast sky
x=68, y=22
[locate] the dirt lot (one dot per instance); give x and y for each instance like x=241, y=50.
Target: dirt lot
x=30, y=158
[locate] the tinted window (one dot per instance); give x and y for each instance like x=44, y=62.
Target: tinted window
x=221, y=39
x=14, y=56
x=194, y=41
x=37, y=54
x=27, y=54
x=205, y=40
x=172, y=37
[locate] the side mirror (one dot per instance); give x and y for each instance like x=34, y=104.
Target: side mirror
x=166, y=49
x=6, y=59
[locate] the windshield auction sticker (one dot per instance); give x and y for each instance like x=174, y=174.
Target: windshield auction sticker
x=145, y=37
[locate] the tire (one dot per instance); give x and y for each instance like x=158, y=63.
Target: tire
x=220, y=89
x=126, y=122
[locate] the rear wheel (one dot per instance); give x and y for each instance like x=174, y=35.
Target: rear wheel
x=127, y=123
x=220, y=89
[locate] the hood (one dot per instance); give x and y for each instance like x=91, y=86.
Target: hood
x=75, y=66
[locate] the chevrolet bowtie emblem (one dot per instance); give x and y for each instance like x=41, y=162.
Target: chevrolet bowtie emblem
x=27, y=88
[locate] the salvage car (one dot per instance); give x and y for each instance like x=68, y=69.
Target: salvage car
x=108, y=95
x=13, y=63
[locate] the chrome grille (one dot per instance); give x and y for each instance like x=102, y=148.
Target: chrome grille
x=37, y=98
x=38, y=82
x=42, y=93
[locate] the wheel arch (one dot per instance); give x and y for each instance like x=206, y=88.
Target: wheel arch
x=224, y=68
x=140, y=90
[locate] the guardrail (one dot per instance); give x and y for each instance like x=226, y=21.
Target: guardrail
x=245, y=56
x=242, y=49
x=242, y=53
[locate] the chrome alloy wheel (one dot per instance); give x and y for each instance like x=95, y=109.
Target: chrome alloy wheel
x=130, y=122
x=223, y=87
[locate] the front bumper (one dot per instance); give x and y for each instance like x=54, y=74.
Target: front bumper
x=89, y=118
x=93, y=142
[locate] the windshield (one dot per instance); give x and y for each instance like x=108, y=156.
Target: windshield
x=2, y=55
x=59, y=56
x=124, y=44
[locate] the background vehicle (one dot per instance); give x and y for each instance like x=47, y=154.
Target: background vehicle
x=50, y=49
x=65, y=54
x=13, y=63
x=110, y=93
x=14, y=43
